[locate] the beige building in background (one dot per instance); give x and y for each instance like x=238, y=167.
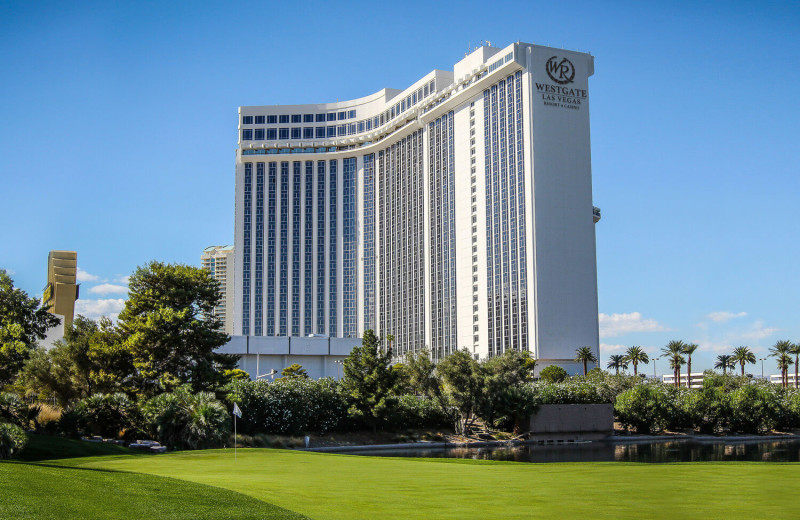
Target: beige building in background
x=218, y=260
x=61, y=290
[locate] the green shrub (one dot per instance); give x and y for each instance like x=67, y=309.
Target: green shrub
x=573, y=391
x=645, y=407
x=553, y=374
x=421, y=412
x=107, y=415
x=14, y=410
x=12, y=440
x=184, y=419
x=754, y=408
x=290, y=406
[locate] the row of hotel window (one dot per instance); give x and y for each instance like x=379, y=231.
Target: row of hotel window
x=321, y=132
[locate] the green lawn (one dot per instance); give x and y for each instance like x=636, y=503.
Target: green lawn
x=327, y=486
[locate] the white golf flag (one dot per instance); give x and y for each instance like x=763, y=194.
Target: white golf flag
x=236, y=411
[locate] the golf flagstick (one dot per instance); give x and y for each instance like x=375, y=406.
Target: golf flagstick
x=236, y=413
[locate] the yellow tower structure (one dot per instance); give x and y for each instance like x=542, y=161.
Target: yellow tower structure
x=62, y=288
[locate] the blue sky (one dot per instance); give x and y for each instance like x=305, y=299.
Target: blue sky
x=119, y=128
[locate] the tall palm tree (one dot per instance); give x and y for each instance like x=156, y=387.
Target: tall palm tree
x=616, y=362
x=796, y=351
x=725, y=361
x=743, y=355
x=674, y=351
x=636, y=355
x=689, y=349
x=586, y=355
x=781, y=350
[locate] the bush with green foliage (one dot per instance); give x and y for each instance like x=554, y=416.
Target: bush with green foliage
x=107, y=415
x=754, y=408
x=571, y=391
x=553, y=374
x=645, y=407
x=290, y=406
x=184, y=419
x=414, y=411
x=12, y=440
x=15, y=410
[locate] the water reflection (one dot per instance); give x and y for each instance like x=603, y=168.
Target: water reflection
x=652, y=452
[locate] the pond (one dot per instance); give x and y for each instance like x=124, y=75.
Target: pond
x=604, y=451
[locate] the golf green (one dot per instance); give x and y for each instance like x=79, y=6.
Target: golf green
x=327, y=486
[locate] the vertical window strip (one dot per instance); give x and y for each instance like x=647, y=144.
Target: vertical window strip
x=272, y=173
x=259, y=263
x=321, y=264
x=247, y=222
x=332, y=274
x=283, y=281
x=297, y=187
x=308, y=266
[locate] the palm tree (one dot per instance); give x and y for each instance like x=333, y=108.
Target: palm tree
x=782, y=350
x=586, y=355
x=636, y=355
x=617, y=361
x=796, y=351
x=725, y=361
x=689, y=349
x=673, y=351
x=743, y=355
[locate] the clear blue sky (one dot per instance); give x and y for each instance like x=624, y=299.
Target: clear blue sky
x=118, y=130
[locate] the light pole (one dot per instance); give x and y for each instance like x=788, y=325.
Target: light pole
x=762, y=366
x=654, y=366
x=339, y=363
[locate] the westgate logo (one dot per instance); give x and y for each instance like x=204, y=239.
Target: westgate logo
x=562, y=72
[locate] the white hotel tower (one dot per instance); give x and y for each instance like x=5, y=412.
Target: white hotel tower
x=456, y=213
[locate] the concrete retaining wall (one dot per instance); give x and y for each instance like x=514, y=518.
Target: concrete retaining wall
x=573, y=419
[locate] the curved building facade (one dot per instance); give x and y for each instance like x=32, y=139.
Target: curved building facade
x=456, y=213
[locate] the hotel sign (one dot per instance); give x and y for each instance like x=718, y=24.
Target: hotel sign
x=561, y=71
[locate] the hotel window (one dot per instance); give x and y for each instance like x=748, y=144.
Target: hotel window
x=342, y=130
x=247, y=134
x=259, y=135
x=320, y=118
x=247, y=120
x=320, y=132
x=308, y=133
x=331, y=131
x=283, y=133
x=331, y=116
x=272, y=120
x=283, y=118
x=260, y=120
x=297, y=118
x=308, y=118
x=352, y=114
x=296, y=133
x=342, y=116
x=272, y=134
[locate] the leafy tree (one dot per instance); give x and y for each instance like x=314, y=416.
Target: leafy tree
x=12, y=440
x=553, y=374
x=743, y=355
x=585, y=355
x=170, y=331
x=23, y=321
x=368, y=382
x=463, y=382
x=88, y=360
x=505, y=403
x=636, y=355
x=781, y=350
x=725, y=362
x=295, y=370
x=617, y=361
x=673, y=351
x=421, y=373
x=689, y=349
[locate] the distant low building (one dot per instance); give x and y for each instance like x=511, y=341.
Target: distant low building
x=218, y=260
x=697, y=379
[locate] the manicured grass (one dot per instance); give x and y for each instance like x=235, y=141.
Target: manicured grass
x=46, y=447
x=326, y=486
x=211, y=484
x=38, y=491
